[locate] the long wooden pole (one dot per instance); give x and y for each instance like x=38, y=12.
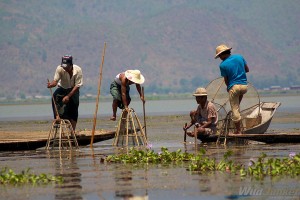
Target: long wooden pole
x=55, y=108
x=97, y=101
x=195, y=135
x=144, y=113
x=184, y=138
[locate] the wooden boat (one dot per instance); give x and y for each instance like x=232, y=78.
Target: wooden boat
x=21, y=144
x=269, y=138
x=256, y=121
x=259, y=118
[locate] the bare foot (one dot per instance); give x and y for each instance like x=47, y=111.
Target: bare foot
x=238, y=133
x=113, y=118
x=235, y=134
x=191, y=134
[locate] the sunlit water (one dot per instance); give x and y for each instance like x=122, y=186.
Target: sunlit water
x=87, y=178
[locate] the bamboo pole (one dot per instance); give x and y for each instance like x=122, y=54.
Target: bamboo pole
x=144, y=112
x=184, y=138
x=55, y=108
x=97, y=101
x=195, y=135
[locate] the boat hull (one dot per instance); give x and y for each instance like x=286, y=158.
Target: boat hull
x=23, y=145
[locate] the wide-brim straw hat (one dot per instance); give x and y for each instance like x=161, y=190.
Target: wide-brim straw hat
x=200, y=92
x=135, y=76
x=220, y=49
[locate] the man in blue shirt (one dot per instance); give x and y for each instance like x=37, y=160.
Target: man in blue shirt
x=233, y=68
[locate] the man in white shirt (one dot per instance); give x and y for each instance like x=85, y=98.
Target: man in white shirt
x=68, y=77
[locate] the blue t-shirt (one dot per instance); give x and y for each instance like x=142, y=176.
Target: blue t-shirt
x=233, y=68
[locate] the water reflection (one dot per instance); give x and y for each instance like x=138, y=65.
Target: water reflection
x=123, y=184
x=66, y=166
x=129, y=185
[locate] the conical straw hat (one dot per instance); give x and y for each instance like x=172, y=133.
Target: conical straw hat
x=220, y=49
x=135, y=76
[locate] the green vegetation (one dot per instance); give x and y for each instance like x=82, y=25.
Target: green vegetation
x=259, y=169
x=8, y=176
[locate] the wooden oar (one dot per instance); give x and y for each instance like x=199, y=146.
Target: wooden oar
x=184, y=139
x=97, y=101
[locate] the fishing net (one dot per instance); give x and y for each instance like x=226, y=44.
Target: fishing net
x=217, y=93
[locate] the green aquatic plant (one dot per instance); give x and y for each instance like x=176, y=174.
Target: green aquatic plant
x=274, y=166
x=259, y=169
x=8, y=176
x=149, y=156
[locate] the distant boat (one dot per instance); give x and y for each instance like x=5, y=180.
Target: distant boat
x=256, y=122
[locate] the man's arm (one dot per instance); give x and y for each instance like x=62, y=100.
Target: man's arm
x=66, y=98
x=123, y=90
x=246, y=68
x=51, y=84
x=226, y=80
x=207, y=124
x=138, y=88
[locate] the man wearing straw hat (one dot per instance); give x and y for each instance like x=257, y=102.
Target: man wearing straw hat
x=233, y=68
x=120, y=88
x=69, y=79
x=205, y=118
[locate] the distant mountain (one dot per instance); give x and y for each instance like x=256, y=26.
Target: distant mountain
x=171, y=42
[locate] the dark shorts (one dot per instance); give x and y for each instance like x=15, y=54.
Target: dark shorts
x=115, y=91
x=69, y=110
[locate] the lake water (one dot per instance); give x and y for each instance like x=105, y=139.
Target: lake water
x=290, y=104
x=87, y=178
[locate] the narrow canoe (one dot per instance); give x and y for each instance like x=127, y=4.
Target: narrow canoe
x=22, y=144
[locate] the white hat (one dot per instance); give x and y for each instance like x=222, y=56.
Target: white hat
x=135, y=76
x=200, y=92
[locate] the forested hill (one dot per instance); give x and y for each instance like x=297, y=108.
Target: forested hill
x=172, y=42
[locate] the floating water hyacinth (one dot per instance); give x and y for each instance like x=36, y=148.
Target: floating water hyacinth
x=149, y=146
x=292, y=154
x=259, y=169
x=8, y=176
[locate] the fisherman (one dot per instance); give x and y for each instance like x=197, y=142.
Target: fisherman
x=205, y=118
x=120, y=88
x=233, y=68
x=69, y=79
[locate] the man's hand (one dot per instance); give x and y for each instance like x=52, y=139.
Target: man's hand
x=66, y=99
x=186, y=127
x=191, y=134
x=142, y=98
x=49, y=85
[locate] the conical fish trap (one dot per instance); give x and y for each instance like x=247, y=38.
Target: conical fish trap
x=129, y=131
x=61, y=136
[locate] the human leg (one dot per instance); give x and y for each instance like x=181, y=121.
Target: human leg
x=193, y=120
x=72, y=110
x=234, y=99
x=73, y=123
x=203, y=132
x=114, y=108
x=115, y=91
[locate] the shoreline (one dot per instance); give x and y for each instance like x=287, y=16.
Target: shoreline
x=46, y=99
